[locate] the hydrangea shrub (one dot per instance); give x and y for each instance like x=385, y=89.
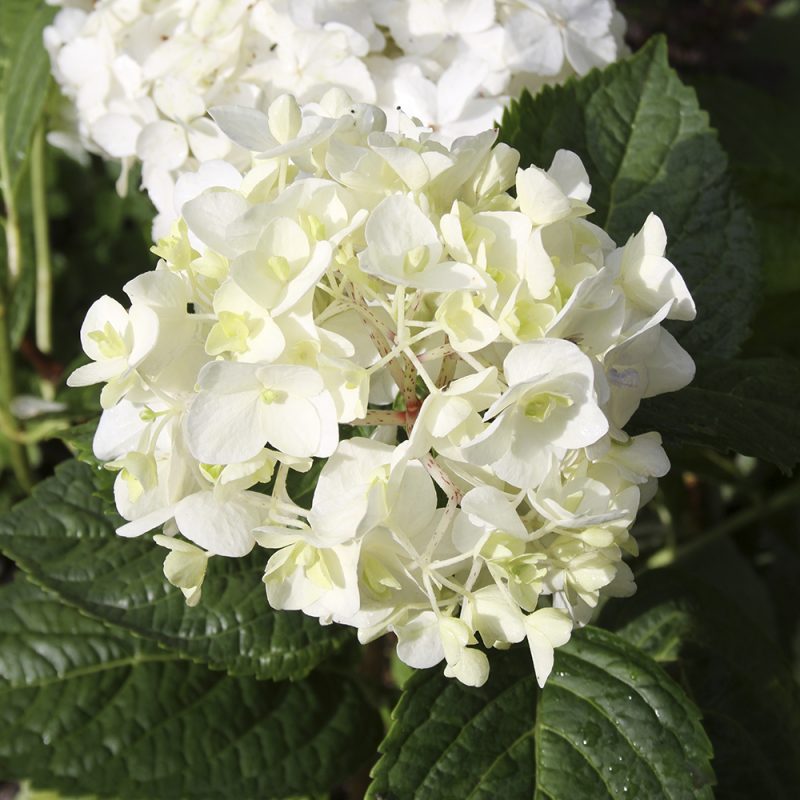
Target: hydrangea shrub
x=366, y=452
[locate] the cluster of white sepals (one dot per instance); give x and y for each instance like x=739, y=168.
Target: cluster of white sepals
x=482, y=351
x=142, y=73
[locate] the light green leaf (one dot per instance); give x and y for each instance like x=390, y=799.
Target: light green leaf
x=25, y=78
x=64, y=537
x=28, y=792
x=720, y=649
x=89, y=709
x=14, y=16
x=648, y=147
x=609, y=724
x=24, y=291
x=748, y=406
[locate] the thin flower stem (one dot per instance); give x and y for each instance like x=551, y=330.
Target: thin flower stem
x=786, y=498
x=400, y=307
x=408, y=387
x=449, y=562
x=442, y=478
x=447, y=370
x=429, y=590
x=279, y=492
x=34, y=437
x=41, y=236
x=381, y=418
x=444, y=525
x=443, y=351
x=419, y=370
x=378, y=333
x=398, y=348
x=473, y=362
x=458, y=588
x=475, y=571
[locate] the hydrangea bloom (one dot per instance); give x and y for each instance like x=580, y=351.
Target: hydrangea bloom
x=142, y=75
x=460, y=361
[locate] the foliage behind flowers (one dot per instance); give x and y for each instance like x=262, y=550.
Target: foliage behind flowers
x=498, y=345
x=141, y=75
x=420, y=384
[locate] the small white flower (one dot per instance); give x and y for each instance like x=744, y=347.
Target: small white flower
x=322, y=582
x=117, y=341
x=555, y=195
x=185, y=566
x=648, y=279
x=469, y=665
x=648, y=363
x=241, y=408
x=225, y=528
x=550, y=407
x=545, y=630
x=545, y=35
x=403, y=248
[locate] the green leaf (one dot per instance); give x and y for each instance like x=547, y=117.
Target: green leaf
x=89, y=709
x=64, y=537
x=609, y=724
x=24, y=291
x=774, y=333
x=28, y=792
x=25, y=79
x=79, y=439
x=754, y=106
x=747, y=406
x=648, y=147
x=14, y=15
x=719, y=648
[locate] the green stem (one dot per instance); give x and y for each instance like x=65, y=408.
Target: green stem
x=18, y=455
x=12, y=229
x=41, y=236
x=784, y=499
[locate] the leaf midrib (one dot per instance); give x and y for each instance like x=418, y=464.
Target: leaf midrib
x=94, y=669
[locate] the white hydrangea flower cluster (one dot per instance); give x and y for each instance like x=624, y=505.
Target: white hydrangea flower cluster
x=464, y=358
x=143, y=73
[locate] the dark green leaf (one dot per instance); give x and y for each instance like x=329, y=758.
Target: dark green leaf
x=718, y=646
x=648, y=147
x=79, y=439
x=88, y=708
x=774, y=327
x=608, y=724
x=748, y=406
x=64, y=536
x=754, y=105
